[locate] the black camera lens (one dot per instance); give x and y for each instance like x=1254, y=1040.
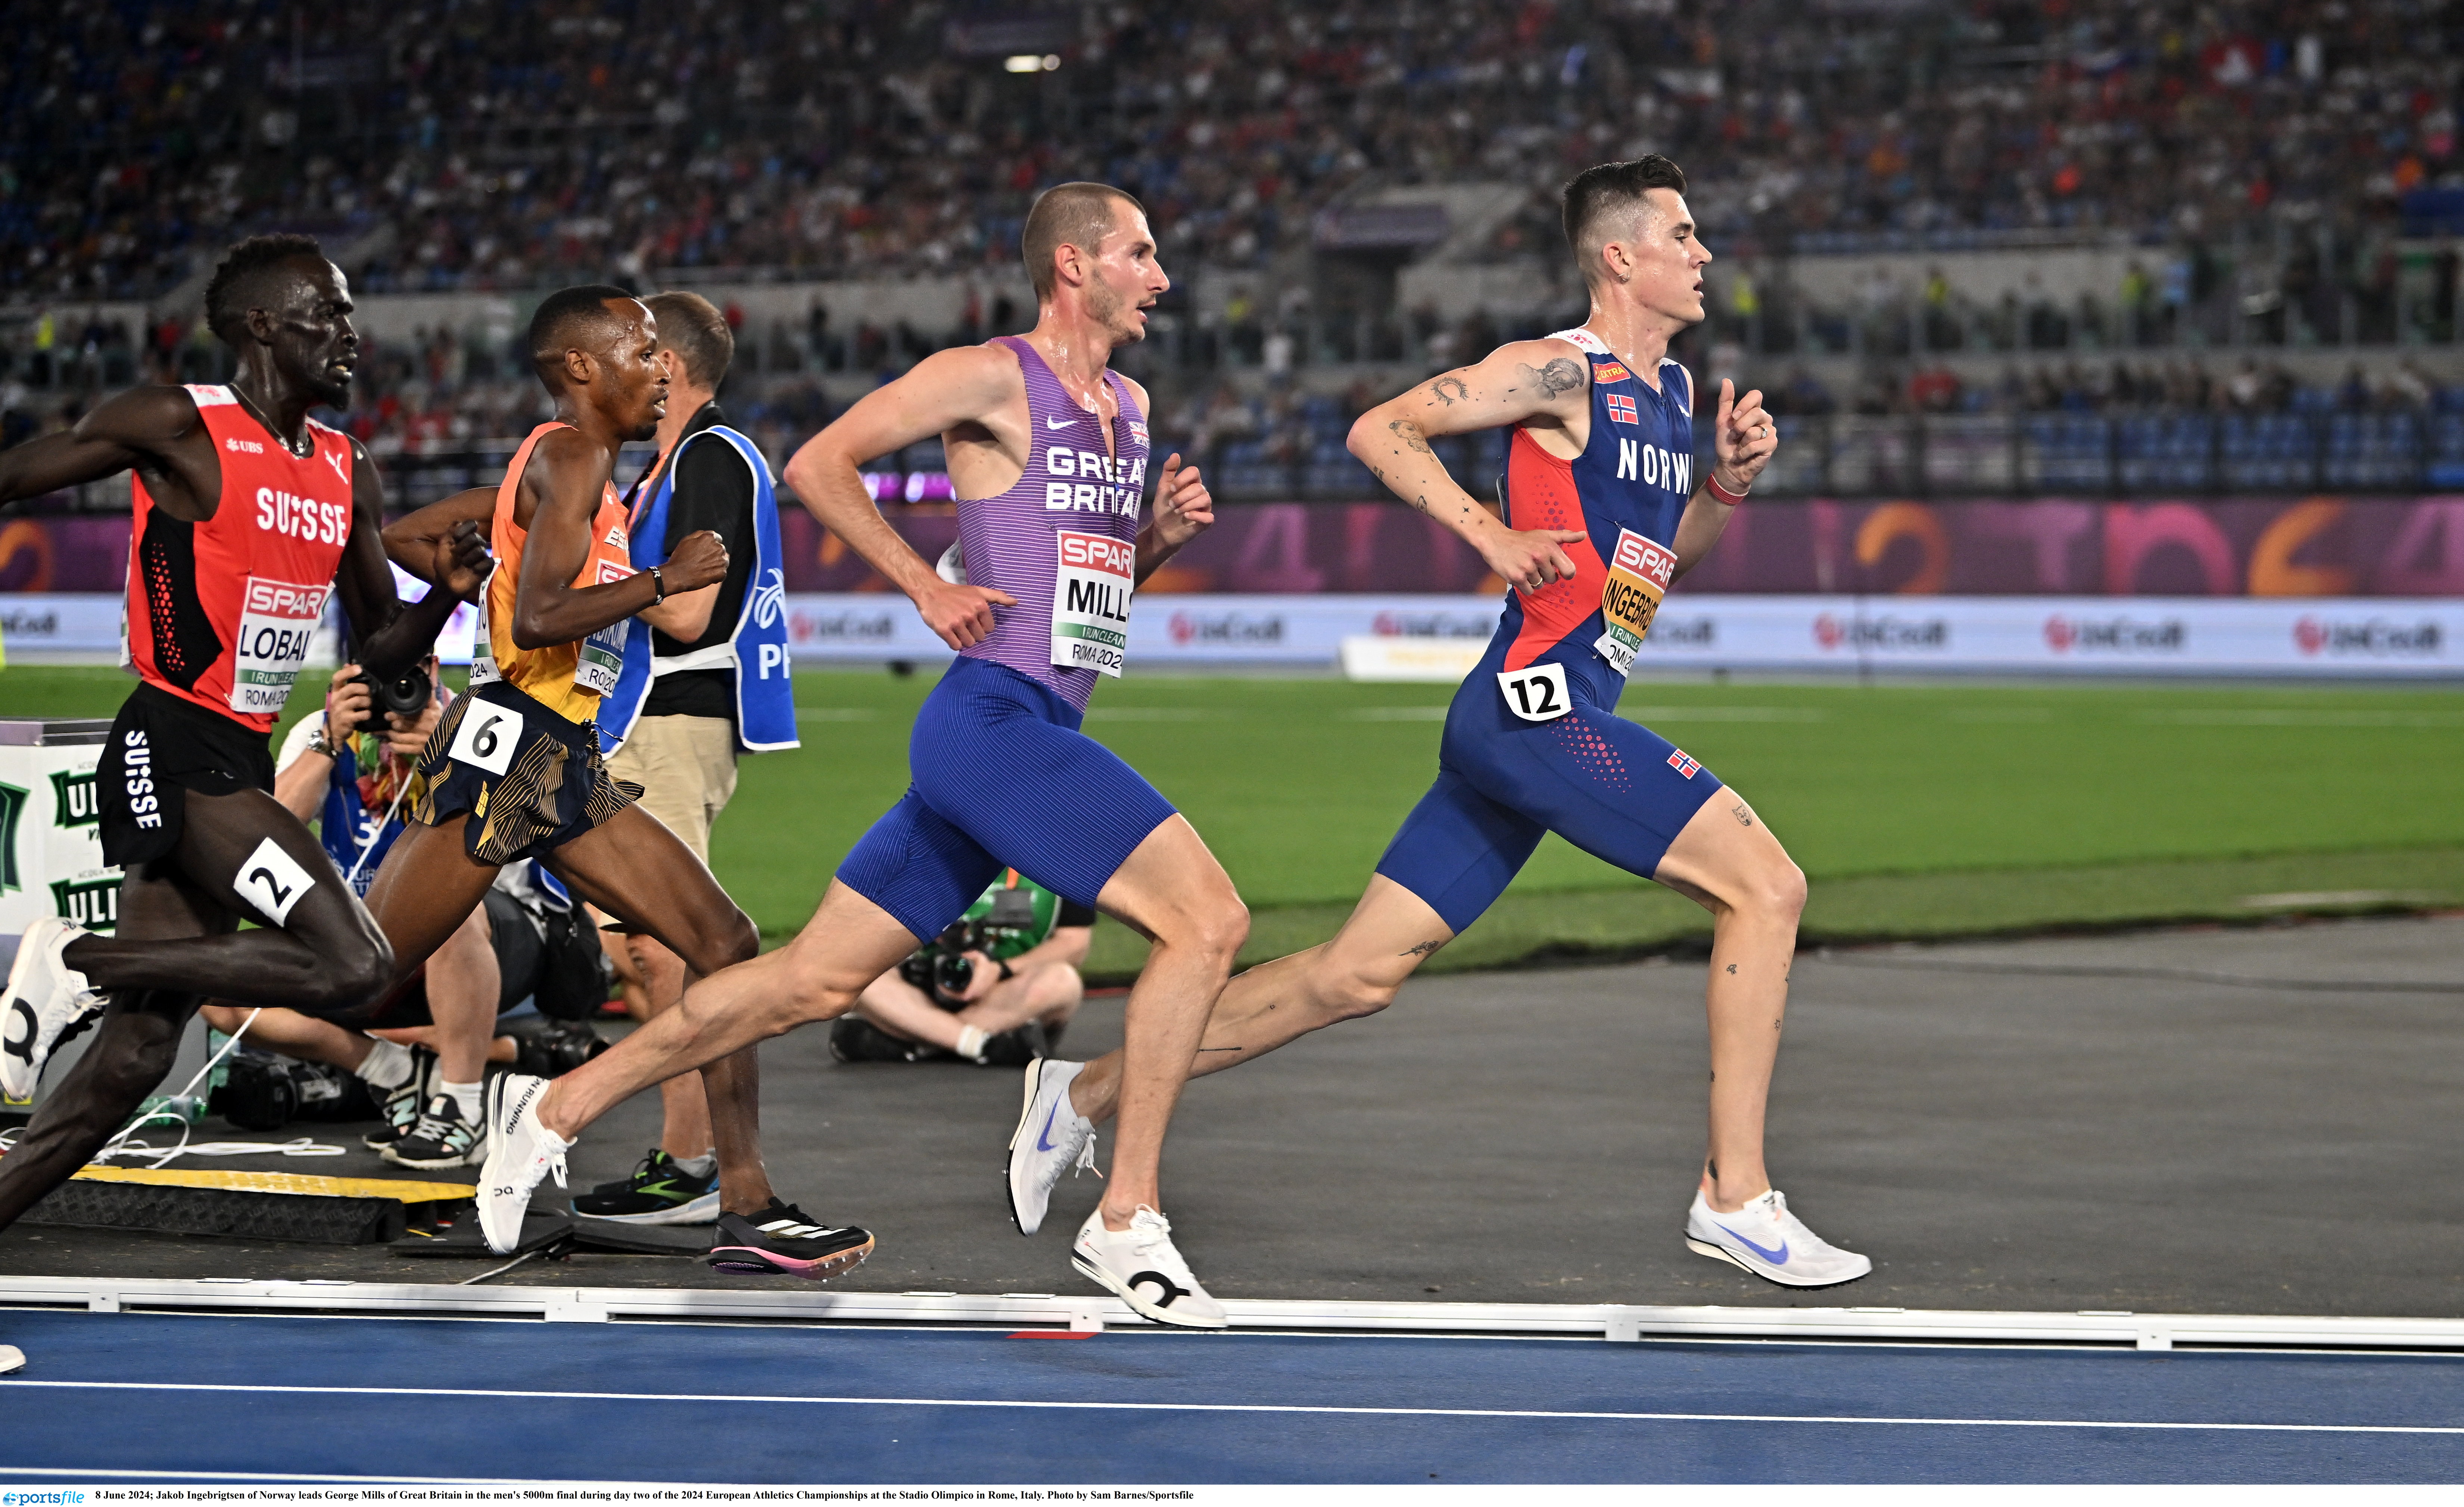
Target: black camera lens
x=404, y=696
x=951, y=975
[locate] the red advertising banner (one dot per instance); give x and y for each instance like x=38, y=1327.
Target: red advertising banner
x=2276, y=546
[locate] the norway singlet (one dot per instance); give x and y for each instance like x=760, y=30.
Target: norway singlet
x=220, y=612
x=568, y=679
x=1533, y=742
x=1062, y=540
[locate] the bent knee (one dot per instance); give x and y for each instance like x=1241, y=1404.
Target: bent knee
x=1352, y=996
x=1778, y=891
x=357, y=977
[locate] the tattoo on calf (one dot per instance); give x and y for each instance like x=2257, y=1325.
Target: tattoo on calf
x=1421, y=951
x=1733, y=967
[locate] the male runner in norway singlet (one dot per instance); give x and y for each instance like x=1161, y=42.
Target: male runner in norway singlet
x=1602, y=516
x=248, y=515
x=1048, y=447
x=515, y=770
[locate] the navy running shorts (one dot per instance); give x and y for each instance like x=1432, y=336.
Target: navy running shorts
x=1614, y=788
x=531, y=780
x=1003, y=779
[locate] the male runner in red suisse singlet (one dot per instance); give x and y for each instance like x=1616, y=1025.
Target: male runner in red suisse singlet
x=249, y=515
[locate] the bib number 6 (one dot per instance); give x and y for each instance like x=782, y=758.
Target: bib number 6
x=1536, y=694
x=487, y=737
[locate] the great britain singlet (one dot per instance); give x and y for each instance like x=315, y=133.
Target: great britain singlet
x=1626, y=490
x=220, y=612
x=568, y=679
x=1062, y=540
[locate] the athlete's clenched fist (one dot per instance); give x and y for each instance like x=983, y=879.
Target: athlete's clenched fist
x=1532, y=559
x=961, y=616
x=700, y=560
x=1743, y=437
x=1184, y=508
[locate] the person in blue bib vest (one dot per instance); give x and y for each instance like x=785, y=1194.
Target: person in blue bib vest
x=705, y=677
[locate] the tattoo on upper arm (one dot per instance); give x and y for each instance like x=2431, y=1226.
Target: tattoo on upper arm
x=1409, y=434
x=1739, y=813
x=1448, y=390
x=1560, y=375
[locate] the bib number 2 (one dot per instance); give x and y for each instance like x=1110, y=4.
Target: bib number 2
x=1536, y=693
x=487, y=736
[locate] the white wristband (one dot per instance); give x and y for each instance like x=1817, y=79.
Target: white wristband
x=971, y=1042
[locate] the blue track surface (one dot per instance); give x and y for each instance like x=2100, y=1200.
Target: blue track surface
x=140, y=1396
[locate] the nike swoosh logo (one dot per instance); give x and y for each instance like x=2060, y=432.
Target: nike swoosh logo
x=1053, y=423
x=1043, y=1137
x=1778, y=1257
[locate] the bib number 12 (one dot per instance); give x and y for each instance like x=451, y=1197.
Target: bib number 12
x=1535, y=694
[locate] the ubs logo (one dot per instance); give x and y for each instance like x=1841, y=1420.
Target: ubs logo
x=77, y=805
x=250, y=446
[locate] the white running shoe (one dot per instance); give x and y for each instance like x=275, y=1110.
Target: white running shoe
x=46, y=1001
x=1143, y=1257
x=1766, y=1239
x=520, y=1152
x=11, y=1358
x=1050, y=1136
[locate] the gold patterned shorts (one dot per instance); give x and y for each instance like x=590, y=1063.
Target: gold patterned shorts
x=530, y=779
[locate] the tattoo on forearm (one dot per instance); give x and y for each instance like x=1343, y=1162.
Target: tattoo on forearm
x=1561, y=375
x=1733, y=967
x=1450, y=390
x=1409, y=434
x=1421, y=951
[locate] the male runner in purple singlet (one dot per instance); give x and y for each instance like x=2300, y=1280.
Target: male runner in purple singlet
x=1047, y=449
x=1602, y=514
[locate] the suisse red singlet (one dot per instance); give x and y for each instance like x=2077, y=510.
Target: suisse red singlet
x=220, y=612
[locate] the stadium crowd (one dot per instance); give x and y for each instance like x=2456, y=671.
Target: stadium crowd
x=486, y=145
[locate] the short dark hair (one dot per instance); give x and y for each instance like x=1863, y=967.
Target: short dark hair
x=1612, y=189
x=244, y=280
x=692, y=327
x=1067, y=214
x=553, y=324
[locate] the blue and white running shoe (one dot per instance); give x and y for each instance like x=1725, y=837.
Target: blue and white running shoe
x=1766, y=1239
x=1051, y=1138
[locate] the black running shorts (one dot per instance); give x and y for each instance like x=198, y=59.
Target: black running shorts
x=530, y=779
x=159, y=746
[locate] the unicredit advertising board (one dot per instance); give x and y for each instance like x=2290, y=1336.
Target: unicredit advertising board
x=2331, y=636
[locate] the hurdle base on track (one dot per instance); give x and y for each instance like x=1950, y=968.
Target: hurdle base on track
x=1612, y=1322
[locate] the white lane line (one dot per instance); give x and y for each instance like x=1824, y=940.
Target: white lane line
x=1239, y=1407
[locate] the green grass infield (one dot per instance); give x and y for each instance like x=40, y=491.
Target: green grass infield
x=1916, y=810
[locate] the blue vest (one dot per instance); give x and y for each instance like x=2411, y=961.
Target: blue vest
x=754, y=653
x=348, y=828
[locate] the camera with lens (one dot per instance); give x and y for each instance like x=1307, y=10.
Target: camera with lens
x=404, y=696
x=943, y=966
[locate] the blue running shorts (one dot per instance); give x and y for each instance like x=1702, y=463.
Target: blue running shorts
x=1003, y=779
x=1612, y=788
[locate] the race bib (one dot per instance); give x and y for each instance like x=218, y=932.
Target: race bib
x=1091, y=602
x=1535, y=693
x=601, y=660
x=268, y=881
x=276, y=620
x=483, y=658
x=1638, y=576
x=487, y=736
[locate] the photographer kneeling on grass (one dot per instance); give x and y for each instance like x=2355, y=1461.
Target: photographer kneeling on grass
x=996, y=988
x=426, y=1054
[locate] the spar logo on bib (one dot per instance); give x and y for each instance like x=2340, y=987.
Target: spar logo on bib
x=1091, y=602
x=1638, y=577
x=277, y=618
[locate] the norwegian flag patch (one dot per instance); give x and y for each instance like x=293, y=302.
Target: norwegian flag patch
x=1620, y=408
x=1684, y=763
